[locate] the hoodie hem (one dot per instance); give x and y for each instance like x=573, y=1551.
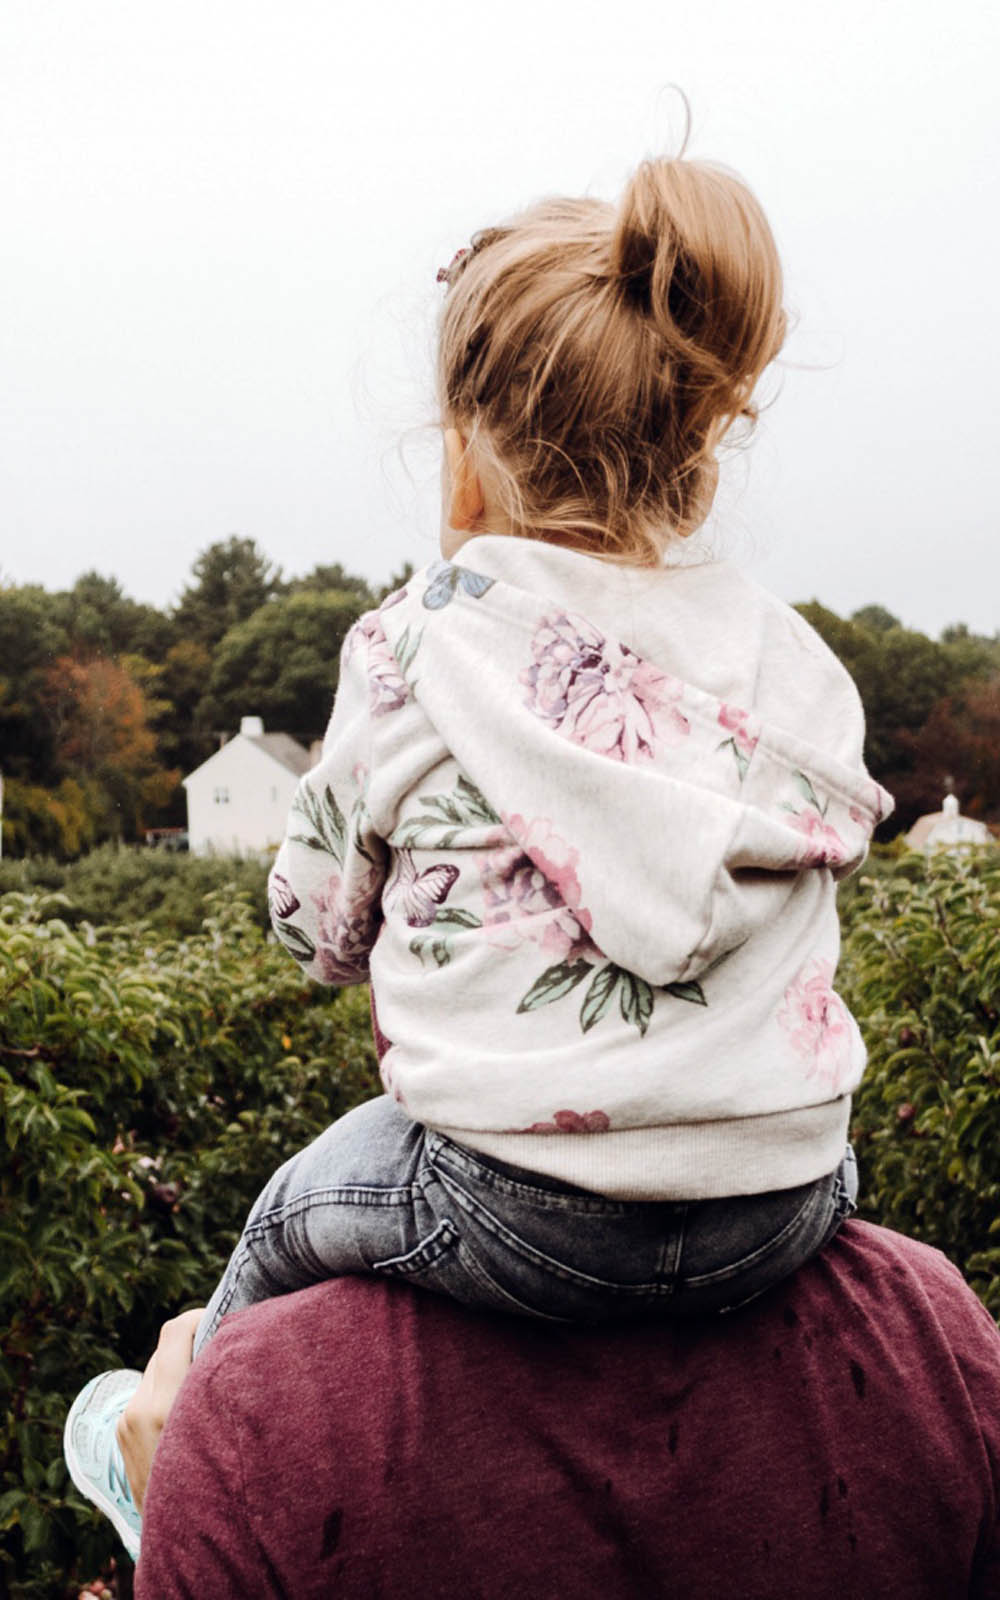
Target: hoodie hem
x=685, y=1161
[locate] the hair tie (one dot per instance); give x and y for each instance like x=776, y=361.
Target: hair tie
x=445, y=274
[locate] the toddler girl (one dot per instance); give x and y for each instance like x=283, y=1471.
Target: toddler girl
x=579, y=816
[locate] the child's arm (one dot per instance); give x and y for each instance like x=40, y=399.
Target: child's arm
x=326, y=884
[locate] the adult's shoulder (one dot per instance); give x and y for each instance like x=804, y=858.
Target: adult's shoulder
x=913, y=1284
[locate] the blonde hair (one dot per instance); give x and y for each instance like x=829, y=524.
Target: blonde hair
x=593, y=357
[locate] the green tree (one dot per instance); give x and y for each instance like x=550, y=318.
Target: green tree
x=876, y=619
x=232, y=579
x=100, y=619
x=901, y=675
x=31, y=637
x=281, y=664
x=333, y=576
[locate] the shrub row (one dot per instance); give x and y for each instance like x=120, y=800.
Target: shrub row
x=151, y=1081
x=148, y=1087
x=921, y=971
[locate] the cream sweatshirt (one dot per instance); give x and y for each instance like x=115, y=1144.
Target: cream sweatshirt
x=581, y=826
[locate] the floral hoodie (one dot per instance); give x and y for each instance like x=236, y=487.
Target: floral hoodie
x=581, y=826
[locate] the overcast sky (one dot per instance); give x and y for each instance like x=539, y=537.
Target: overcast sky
x=222, y=220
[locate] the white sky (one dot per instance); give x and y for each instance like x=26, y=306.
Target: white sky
x=221, y=221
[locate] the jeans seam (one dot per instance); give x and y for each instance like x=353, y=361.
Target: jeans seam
x=443, y=1153
x=763, y=1252
x=354, y=1194
x=426, y=1254
x=537, y=1257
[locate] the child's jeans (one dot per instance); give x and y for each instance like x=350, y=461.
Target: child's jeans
x=379, y=1194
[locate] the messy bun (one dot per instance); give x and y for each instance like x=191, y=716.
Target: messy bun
x=595, y=356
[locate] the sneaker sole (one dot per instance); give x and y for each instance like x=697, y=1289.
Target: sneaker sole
x=86, y=1485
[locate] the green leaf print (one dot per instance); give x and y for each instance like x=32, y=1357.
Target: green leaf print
x=298, y=943
x=636, y=999
x=325, y=820
x=555, y=982
x=805, y=787
x=741, y=758
x=440, y=948
x=464, y=808
x=455, y=917
x=476, y=803
x=600, y=995
x=406, y=649
x=687, y=991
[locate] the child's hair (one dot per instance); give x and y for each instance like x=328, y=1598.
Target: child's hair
x=594, y=357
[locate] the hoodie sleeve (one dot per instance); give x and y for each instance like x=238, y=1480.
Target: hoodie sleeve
x=325, y=888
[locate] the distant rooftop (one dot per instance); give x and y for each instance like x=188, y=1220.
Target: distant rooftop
x=283, y=748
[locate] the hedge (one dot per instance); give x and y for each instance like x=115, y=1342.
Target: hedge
x=148, y=1087
x=150, y=1083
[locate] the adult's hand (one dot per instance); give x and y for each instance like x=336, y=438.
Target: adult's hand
x=142, y=1421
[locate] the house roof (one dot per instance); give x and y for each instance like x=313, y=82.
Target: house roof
x=280, y=747
x=946, y=827
x=285, y=749
x=916, y=838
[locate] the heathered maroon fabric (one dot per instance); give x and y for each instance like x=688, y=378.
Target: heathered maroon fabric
x=840, y=1438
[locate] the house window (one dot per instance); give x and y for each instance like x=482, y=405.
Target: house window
x=221, y=797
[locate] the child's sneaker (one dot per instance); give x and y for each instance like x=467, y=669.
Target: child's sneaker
x=93, y=1455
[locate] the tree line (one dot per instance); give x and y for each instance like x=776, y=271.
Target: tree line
x=106, y=703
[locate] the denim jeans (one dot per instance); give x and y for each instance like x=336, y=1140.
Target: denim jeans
x=379, y=1194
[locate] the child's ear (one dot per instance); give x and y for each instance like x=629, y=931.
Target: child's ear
x=465, y=491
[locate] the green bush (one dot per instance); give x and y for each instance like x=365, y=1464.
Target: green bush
x=148, y=1088
x=921, y=971
x=118, y=883
x=151, y=1079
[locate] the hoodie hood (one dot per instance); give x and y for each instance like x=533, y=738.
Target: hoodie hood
x=671, y=748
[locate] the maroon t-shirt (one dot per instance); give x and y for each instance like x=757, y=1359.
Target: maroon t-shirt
x=839, y=1438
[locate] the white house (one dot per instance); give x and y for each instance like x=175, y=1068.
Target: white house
x=947, y=829
x=238, y=800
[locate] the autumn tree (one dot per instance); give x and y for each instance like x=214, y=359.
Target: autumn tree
x=958, y=746
x=100, y=722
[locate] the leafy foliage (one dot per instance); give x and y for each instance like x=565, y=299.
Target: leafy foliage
x=151, y=1079
x=148, y=1087
x=921, y=970
x=115, y=882
x=281, y=664
x=105, y=703
x=930, y=707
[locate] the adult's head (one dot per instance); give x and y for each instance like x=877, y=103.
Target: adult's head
x=840, y=1437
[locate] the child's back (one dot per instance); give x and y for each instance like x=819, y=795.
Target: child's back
x=601, y=810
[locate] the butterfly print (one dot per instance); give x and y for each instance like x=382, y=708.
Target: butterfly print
x=420, y=893
x=446, y=579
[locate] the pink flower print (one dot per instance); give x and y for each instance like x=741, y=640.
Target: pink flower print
x=818, y=1025
x=571, y=1122
x=823, y=847
x=599, y=693
x=347, y=927
x=519, y=902
x=531, y=891
x=744, y=733
x=387, y=688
